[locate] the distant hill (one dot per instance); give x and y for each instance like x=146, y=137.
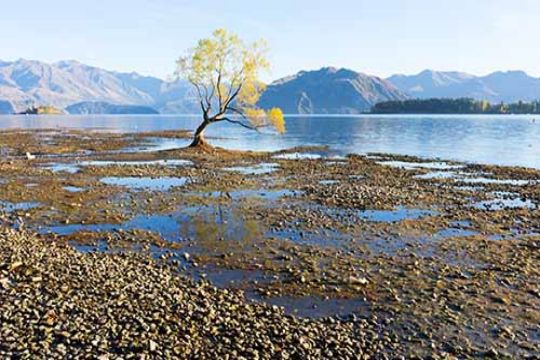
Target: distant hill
x=6, y=107
x=510, y=86
x=64, y=83
x=328, y=91
x=99, y=107
x=27, y=83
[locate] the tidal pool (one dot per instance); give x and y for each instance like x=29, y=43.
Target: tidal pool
x=440, y=165
x=168, y=163
x=505, y=203
x=398, y=214
x=328, y=182
x=195, y=223
x=298, y=156
x=267, y=194
x=73, y=168
x=146, y=183
x=73, y=189
x=315, y=307
x=469, y=178
x=20, y=206
x=61, y=167
x=259, y=169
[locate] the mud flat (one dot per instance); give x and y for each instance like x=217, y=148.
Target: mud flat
x=109, y=250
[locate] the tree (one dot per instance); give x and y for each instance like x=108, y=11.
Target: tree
x=224, y=71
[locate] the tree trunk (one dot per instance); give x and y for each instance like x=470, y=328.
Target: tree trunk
x=198, y=137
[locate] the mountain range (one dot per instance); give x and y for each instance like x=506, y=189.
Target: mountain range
x=329, y=90
x=509, y=86
x=26, y=82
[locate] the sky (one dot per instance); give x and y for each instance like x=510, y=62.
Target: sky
x=378, y=37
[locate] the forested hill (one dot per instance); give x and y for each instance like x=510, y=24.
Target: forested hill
x=454, y=106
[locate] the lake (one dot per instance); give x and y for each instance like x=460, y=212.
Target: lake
x=490, y=139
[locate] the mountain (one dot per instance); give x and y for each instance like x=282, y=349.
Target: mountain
x=62, y=84
x=6, y=107
x=513, y=86
x=100, y=107
x=510, y=86
x=26, y=82
x=328, y=91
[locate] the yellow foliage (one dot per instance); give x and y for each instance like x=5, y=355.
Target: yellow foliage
x=276, y=118
x=250, y=92
x=225, y=72
x=255, y=115
x=260, y=118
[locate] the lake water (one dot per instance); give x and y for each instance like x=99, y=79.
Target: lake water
x=497, y=139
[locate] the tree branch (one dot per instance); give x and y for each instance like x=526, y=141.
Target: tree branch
x=201, y=98
x=205, y=110
x=232, y=97
x=218, y=86
x=239, y=123
x=208, y=103
x=198, y=88
x=212, y=93
x=233, y=80
x=238, y=112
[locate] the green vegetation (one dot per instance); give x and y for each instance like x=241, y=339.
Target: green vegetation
x=454, y=106
x=42, y=110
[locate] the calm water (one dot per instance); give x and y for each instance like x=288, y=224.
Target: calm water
x=504, y=140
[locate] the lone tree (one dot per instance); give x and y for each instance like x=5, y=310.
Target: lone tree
x=225, y=74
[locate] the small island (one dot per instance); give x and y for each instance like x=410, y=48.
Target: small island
x=41, y=110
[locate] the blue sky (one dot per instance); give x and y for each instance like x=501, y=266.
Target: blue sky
x=377, y=37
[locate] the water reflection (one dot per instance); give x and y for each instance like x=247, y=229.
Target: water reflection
x=220, y=230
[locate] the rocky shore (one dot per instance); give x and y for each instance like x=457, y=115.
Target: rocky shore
x=128, y=246
x=58, y=303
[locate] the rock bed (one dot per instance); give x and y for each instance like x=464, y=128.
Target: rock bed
x=58, y=303
x=431, y=271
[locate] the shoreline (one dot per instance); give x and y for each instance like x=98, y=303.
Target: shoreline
x=404, y=256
